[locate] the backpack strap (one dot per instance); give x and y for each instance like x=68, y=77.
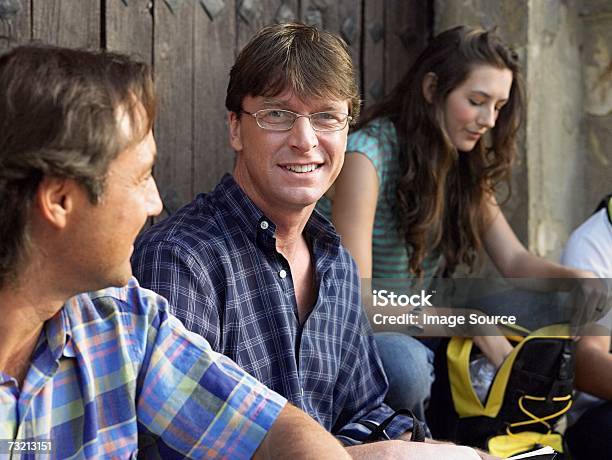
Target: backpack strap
x=379, y=433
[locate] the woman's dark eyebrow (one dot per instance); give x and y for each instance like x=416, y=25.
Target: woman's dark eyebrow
x=487, y=95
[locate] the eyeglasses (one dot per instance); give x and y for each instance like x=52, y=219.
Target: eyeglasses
x=283, y=120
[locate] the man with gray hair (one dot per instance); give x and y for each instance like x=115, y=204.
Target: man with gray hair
x=105, y=374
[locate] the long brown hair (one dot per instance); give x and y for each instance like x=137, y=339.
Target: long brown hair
x=440, y=194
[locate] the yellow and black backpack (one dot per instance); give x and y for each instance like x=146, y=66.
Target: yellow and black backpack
x=529, y=393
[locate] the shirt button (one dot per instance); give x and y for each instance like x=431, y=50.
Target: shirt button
x=282, y=274
x=264, y=225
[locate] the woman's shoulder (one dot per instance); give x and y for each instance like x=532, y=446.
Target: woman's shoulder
x=377, y=140
x=378, y=127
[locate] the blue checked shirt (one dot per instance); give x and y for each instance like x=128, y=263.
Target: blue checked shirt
x=114, y=375
x=216, y=262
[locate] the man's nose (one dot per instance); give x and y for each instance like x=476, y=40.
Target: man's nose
x=154, y=202
x=302, y=137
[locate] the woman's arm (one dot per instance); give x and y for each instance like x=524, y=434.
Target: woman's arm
x=514, y=261
x=510, y=256
x=589, y=299
x=594, y=366
x=354, y=200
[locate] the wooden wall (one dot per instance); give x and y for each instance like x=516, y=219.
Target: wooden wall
x=191, y=45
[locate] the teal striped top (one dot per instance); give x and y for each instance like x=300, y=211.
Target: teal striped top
x=378, y=142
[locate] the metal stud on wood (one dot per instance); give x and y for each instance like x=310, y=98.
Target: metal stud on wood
x=9, y=8
x=314, y=17
x=285, y=14
x=248, y=11
x=172, y=5
x=349, y=30
x=376, y=90
x=377, y=31
x=212, y=7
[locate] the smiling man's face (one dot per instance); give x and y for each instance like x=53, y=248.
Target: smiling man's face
x=286, y=170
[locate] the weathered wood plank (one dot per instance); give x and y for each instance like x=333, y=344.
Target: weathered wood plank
x=253, y=15
x=350, y=29
x=129, y=28
x=15, y=29
x=342, y=17
x=373, y=70
x=174, y=71
x=406, y=35
x=73, y=23
x=320, y=13
x=192, y=45
x=214, y=47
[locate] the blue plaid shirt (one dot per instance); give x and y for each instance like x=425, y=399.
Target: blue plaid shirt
x=114, y=375
x=216, y=262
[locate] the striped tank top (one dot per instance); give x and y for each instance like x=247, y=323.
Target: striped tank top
x=378, y=142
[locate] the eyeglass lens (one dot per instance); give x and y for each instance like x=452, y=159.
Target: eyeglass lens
x=284, y=119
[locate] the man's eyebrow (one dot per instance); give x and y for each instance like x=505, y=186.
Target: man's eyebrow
x=273, y=102
x=331, y=107
x=282, y=103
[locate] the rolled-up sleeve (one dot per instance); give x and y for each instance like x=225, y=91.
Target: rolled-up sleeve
x=195, y=403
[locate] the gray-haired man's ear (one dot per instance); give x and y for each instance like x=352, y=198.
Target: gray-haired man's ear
x=54, y=200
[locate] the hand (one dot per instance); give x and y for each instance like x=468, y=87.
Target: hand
x=494, y=347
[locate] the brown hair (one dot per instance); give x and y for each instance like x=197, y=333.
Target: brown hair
x=440, y=194
x=310, y=62
x=59, y=117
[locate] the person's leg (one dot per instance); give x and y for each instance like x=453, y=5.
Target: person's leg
x=591, y=436
x=409, y=367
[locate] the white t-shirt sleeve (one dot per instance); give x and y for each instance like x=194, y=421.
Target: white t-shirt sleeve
x=590, y=246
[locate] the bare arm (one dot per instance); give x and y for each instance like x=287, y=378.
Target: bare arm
x=594, y=366
x=354, y=206
x=295, y=435
x=513, y=261
x=403, y=450
x=589, y=298
x=510, y=256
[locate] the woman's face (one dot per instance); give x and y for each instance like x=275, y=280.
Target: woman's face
x=471, y=109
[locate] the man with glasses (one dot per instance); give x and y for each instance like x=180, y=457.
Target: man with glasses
x=251, y=266
x=105, y=374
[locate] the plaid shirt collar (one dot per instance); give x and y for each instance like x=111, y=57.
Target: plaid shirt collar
x=318, y=230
